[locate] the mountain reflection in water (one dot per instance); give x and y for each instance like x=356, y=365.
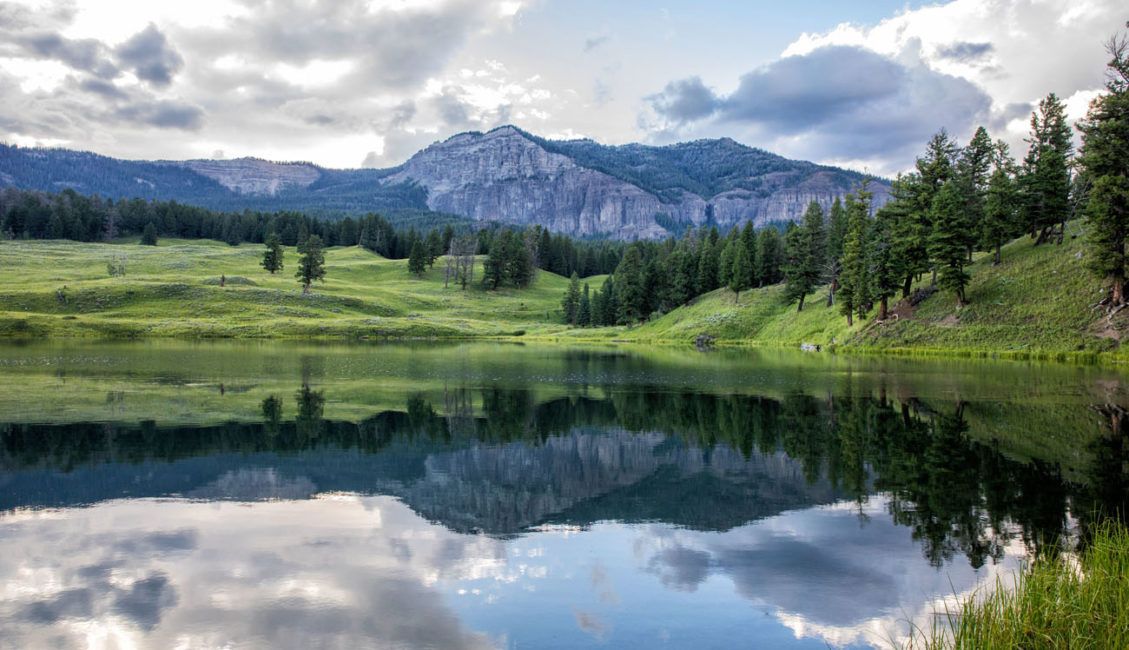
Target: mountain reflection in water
x=488, y=515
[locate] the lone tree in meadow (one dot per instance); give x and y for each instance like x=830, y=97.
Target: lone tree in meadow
x=149, y=235
x=417, y=258
x=1105, y=159
x=311, y=263
x=272, y=258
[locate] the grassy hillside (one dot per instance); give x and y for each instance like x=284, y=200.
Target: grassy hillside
x=1037, y=302
x=61, y=288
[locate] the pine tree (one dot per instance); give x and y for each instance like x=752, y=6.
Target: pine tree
x=1105, y=152
x=629, y=288
x=739, y=274
x=749, y=241
x=571, y=301
x=417, y=259
x=433, y=247
x=149, y=235
x=584, y=312
x=884, y=266
x=947, y=243
x=795, y=286
x=272, y=257
x=973, y=170
x=854, y=283
x=1045, y=182
x=769, y=255
x=610, y=304
x=311, y=263
x=683, y=274
x=494, y=268
x=836, y=234
x=999, y=222
x=708, y=270
x=805, y=248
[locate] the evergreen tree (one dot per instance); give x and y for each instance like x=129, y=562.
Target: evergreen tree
x=999, y=222
x=805, y=248
x=417, y=258
x=584, y=312
x=933, y=170
x=749, y=241
x=149, y=235
x=272, y=257
x=433, y=247
x=973, y=172
x=1045, y=182
x=609, y=304
x=571, y=301
x=739, y=274
x=854, y=283
x=725, y=266
x=836, y=235
x=769, y=254
x=947, y=243
x=311, y=262
x=795, y=287
x=518, y=262
x=708, y=263
x=629, y=288
x=683, y=274
x=884, y=265
x=1105, y=162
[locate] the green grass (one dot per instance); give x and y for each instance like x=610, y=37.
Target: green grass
x=60, y=288
x=1036, y=304
x=1056, y=604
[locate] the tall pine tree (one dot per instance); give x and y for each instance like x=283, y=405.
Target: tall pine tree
x=1105, y=161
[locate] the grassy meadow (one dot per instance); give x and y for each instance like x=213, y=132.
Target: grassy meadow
x=1036, y=304
x=63, y=288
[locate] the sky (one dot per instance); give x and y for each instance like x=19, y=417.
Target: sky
x=351, y=84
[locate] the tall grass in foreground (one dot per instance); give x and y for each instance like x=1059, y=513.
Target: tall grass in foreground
x=1056, y=604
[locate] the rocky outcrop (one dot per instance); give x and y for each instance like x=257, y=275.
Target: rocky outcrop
x=507, y=176
x=255, y=176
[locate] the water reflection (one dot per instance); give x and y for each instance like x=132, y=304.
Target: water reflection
x=483, y=514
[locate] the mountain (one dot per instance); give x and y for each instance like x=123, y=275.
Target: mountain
x=577, y=187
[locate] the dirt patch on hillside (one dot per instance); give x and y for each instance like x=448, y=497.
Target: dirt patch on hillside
x=952, y=320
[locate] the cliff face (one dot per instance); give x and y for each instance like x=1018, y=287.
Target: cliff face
x=254, y=176
x=508, y=176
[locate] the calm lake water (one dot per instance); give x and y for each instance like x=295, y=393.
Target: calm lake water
x=179, y=495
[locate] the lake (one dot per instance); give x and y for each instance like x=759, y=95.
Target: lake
x=294, y=495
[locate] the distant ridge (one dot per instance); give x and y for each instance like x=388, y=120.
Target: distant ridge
x=578, y=187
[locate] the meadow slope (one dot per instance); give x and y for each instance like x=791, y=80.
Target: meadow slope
x=63, y=288
x=1037, y=303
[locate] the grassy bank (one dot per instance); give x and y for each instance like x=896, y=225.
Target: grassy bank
x=1056, y=604
x=1036, y=304
x=61, y=288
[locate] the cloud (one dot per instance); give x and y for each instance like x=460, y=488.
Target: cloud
x=150, y=56
x=965, y=51
x=163, y=114
x=834, y=102
x=685, y=100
